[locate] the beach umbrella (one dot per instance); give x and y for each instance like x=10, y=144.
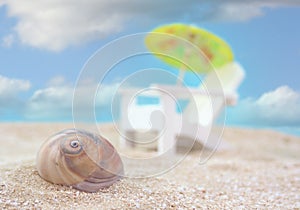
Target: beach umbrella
x=188, y=47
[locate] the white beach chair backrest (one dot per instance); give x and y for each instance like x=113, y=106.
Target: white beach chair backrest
x=204, y=108
x=230, y=76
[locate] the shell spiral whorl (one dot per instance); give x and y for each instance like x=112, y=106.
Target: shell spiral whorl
x=80, y=159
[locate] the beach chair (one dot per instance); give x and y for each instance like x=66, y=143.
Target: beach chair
x=163, y=119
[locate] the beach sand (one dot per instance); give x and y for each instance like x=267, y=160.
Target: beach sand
x=260, y=169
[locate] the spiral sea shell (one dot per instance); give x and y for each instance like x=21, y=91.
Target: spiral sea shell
x=80, y=159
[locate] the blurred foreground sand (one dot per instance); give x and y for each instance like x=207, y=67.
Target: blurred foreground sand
x=261, y=169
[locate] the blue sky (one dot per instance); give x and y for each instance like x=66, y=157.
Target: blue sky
x=45, y=44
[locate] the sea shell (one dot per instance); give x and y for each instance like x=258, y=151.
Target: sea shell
x=79, y=159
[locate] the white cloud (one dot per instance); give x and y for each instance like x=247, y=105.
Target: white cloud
x=56, y=81
x=9, y=88
x=280, y=107
x=55, y=102
x=50, y=103
x=239, y=11
x=11, y=104
x=8, y=40
x=55, y=25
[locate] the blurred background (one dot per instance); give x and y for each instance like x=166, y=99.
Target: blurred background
x=44, y=46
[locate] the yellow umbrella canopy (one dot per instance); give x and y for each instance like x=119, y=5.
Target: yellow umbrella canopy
x=188, y=47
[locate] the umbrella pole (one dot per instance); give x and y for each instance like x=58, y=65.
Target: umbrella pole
x=180, y=78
